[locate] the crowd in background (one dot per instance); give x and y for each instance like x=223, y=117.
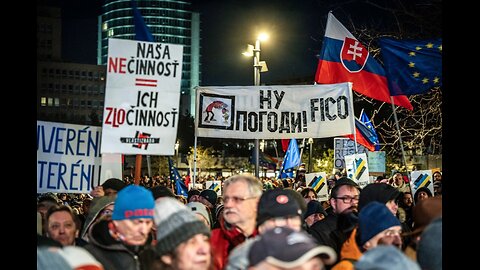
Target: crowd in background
x=261, y=223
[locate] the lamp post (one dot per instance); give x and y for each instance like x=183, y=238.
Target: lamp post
x=310, y=146
x=258, y=66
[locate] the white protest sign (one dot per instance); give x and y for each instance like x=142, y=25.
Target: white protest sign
x=69, y=160
x=215, y=186
x=357, y=169
x=275, y=112
x=343, y=147
x=318, y=181
x=376, y=161
x=421, y=179
x=142, y=97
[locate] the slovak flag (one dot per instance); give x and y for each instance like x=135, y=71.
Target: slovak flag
x=344, y=59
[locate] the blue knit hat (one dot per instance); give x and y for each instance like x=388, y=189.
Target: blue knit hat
x=373, y=219
x=133, y=202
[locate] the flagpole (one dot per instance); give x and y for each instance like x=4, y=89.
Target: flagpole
x=195, y=139
x=301, y=151
x=353, y=119
x=138, y=169
x=401, y=143
x=194, y=160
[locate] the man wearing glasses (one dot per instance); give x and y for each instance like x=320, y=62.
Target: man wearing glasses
x=241, y=194
x=343, y=211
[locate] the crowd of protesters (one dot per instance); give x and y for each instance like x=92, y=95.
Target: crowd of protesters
x=256, y=224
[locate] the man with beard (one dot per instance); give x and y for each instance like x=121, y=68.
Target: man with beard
x=342, y=215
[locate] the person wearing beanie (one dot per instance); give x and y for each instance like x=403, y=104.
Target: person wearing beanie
x=379, y=192
x=342, y=217
x=209, y=198
x=376, y=225
x=193, y=195
x=422, y=194
x=182, y=239
x=276, y=208
x=200, y=211
x=314, y=213
x=120, y=243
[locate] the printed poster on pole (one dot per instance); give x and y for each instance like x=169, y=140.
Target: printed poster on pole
x=318, y=181
x=142, y=97
x=215, y=186
x=357, y=169
x=420, y=179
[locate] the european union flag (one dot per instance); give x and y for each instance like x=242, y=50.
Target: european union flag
x=412, y=66
x=142, y=32
x=180, y=187
x=291, y=159
x=373, y=134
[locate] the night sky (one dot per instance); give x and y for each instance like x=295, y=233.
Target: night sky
x=296, y=30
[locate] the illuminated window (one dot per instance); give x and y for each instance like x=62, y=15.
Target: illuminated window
x=50, y=101
x=43, y=101
x=57, y=102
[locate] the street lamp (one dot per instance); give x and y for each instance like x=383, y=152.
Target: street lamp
x=258, y=66
x=310, y=144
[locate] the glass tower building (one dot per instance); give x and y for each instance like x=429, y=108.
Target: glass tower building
x=169, y=22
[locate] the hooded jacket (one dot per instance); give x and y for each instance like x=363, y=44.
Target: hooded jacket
x=113, y=254
x=97, y=206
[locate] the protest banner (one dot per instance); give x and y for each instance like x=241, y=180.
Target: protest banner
x=275, y=112
x=69, y=159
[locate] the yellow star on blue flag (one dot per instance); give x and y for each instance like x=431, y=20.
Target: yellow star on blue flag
x=412, y=66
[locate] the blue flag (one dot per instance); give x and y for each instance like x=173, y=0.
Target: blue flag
x=373, y=135
x=292, y=159
x=142, y=32
x=412, y=66
x=180, y=187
